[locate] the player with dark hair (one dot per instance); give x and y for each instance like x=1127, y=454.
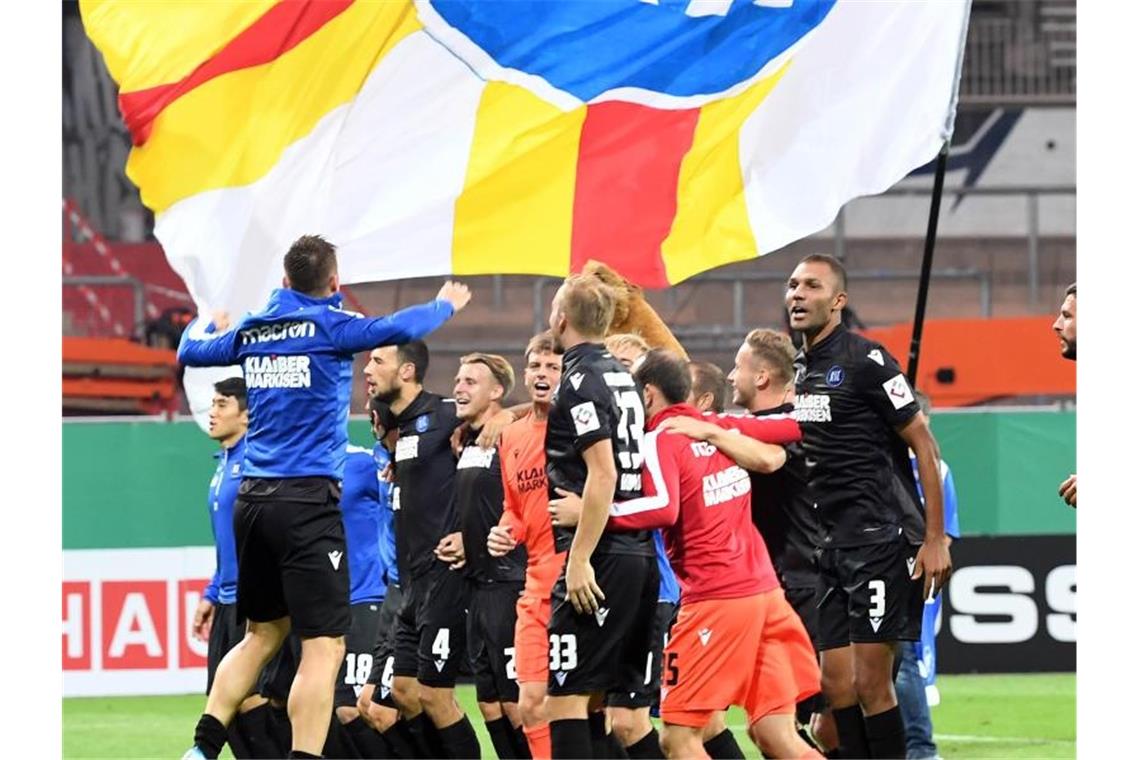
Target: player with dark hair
x=736, y=640
x=525, y=521
x=216, y=619
x=603, y=605
x=375, y=701
x=711, y=391
x=1066, y=328
x=431, y=626
x=481, y=384
x=296, y=356
x=877, y=566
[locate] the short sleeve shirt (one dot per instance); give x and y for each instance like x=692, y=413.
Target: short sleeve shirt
x=851, y=396
x=597, y=399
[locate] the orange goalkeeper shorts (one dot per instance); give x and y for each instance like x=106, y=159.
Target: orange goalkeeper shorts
x=752, y=652
x=532, y=645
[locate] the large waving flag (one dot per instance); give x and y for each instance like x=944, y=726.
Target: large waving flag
x=524, y=136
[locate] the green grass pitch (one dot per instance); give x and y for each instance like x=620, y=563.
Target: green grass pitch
x=996, y=716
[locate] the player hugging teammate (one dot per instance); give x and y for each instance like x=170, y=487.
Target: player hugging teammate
x=518, y=543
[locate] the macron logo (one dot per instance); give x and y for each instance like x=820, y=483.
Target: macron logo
x=877, y=357
x=910, y=565
x=560, y=678
x=601, y=614
x=576, y=380
x=875, y=623
x=705, y=634
x=439, y=665
x=334, y=558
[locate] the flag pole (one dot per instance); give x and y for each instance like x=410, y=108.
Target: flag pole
x=927, y=260
x=935, y=206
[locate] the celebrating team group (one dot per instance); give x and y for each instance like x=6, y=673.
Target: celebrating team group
x=616, y=546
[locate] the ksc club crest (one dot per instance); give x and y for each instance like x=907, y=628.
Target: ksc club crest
x=668, y=54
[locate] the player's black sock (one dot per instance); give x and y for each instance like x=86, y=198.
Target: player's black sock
x=338, y=743
x=886, y=734
x=723, y=746
x=604, y=744
x=210, y=736
x=500, y=731
x=424, y=736
x=459, y=740
x=369, y=744
x=300, y=753
x=255, y=728
x=234, y=738
x=400, y=740
x=570, y=738
x=282, y=729
x=518, y=739
x=647, y=747
x=852, y=732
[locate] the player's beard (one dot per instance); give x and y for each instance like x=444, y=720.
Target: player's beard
x=387, y=395
x=1069, y=349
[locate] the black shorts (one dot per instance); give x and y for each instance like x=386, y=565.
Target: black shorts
x=491, y=620
x=291, y=554
x=358, y=652
x=277, y=677
x=384, y=654
x=226, y=632
x=602, y=651
x=803, y=601
x=431, y=627
x=866, y=595
x=645, y=691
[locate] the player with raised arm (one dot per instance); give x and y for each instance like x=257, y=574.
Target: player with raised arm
x=296, y=355
x=877, y=566
x=525, y=521
x=431, y=626
x=603, y=605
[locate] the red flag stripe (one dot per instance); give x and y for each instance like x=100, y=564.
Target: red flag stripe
x=625, y=197
x=283, y=27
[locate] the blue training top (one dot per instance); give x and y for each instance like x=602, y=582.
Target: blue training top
x=382, y=458
x=220, y=503
x=360, y=510
x=670, y=589
x=296, y=355
x=924, y=648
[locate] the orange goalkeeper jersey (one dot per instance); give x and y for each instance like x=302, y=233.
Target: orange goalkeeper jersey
x=522, y=454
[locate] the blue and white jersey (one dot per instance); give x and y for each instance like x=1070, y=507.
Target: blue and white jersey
x=924, y=648
x=383, y=458
x=670, y=589
x=220, y=503
x=296, y=356
x=361, y=510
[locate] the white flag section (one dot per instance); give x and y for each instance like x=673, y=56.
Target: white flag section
x=475, y=138
x=865, y=102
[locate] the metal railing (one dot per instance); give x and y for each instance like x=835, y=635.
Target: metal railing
x=1032, y=219
x=1022, y=60
x=138, y=293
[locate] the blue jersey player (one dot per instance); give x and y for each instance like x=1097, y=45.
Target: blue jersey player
x=296, y=355
x=914, y=684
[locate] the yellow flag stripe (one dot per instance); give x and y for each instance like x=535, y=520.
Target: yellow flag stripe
x=711, y=227
x=515, y=212
x=146, y=44
x=231, y=130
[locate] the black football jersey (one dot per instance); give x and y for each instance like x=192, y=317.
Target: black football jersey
x=596, y=399
x=423, y=499
x=479, y=502
x=851, y=395
x=785, y=515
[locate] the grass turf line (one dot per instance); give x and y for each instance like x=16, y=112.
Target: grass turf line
x=992, y=716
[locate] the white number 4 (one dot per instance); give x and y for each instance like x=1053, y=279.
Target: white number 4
x=441, y=647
